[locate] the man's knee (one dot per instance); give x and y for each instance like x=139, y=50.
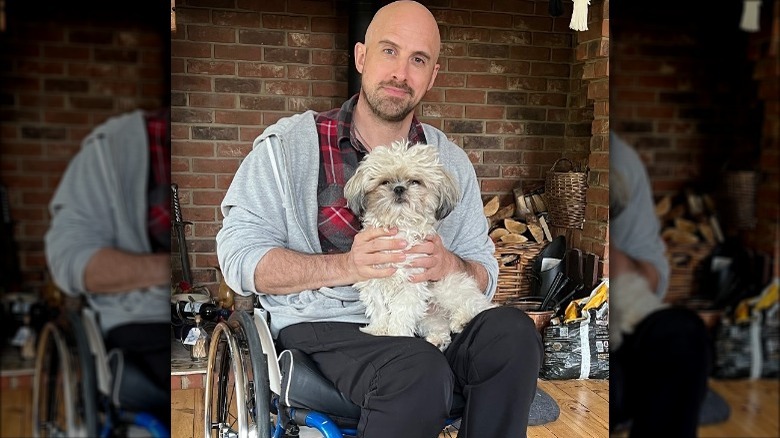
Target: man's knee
x=508, y=332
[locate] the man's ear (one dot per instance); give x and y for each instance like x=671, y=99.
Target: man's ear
x=360, y=56
x=433, y=76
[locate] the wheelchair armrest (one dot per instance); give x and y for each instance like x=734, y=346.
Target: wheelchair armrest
x=304, y=387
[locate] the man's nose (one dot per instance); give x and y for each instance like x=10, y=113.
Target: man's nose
x=399, y=72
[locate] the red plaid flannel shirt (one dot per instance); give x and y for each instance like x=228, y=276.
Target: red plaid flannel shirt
x=340, y=153
x=159, y=182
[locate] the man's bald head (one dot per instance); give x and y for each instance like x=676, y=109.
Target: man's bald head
x=405, y=16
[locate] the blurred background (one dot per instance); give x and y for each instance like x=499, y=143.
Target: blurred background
x=694, y=87
x=65, y=67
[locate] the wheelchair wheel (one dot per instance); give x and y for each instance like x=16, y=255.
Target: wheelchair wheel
x=237, y=395
x=54, y=387
x=87, y=395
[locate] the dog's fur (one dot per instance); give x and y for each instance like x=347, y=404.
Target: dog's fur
x=405, y=186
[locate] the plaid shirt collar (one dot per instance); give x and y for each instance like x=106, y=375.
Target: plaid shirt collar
x=340, y=154
x=345, y=130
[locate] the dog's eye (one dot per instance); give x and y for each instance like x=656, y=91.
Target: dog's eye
x=385, y=182
x=415, y=182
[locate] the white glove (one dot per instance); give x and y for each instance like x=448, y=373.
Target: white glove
x=630, y=301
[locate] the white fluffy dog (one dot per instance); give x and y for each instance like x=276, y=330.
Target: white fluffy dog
x=405, y=186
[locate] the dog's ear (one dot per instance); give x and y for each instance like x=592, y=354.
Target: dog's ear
x=354, y=192
x=449, y=194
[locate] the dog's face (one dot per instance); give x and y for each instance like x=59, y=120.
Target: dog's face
x=401, y=181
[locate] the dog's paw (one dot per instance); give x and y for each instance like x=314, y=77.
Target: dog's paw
x=459, y=319
x=375, y=329
x=440, y=340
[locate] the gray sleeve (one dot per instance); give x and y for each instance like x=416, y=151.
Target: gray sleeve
x=465, y=230
x=254, y=221
x=636, y=231
x=81, y=220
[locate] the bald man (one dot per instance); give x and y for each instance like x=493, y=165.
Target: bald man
x=289, y=237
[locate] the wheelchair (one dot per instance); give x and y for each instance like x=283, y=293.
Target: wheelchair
x=80, y=390
x=251, y=392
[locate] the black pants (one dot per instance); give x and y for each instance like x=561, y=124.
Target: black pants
x=658, y=377
x=405, y=385
x=148, y=348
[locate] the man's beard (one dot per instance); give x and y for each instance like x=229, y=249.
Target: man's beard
x=389, y=108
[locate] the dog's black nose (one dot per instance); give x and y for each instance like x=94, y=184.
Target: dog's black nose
x=399, y=190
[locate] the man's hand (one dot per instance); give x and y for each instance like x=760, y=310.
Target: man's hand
x=437, y=262
x=373, y=252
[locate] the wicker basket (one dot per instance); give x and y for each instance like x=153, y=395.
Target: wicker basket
x=565, y=193
x=515, y=262
x=740, y=198
x=684, y=262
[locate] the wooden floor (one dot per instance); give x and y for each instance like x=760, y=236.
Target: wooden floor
x=584, y=404
x=584, y=408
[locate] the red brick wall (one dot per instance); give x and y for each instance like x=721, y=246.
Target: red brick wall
x=516, y=90
x=696, y=95
x=63, y=73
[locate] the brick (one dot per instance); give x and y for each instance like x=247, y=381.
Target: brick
x=515, y=128
x=237, y=117
x=329, y=57
x=66, y=52
x=214, y=166
x=449, y=111
x=510, y=37
x=189, y=115
x=301, y=104
x=506, y=98
x=238, y=52
x=487, y=81
x=501, y=185
x=44, y=133
x=532, y=23
x=526, y=113
x=310, y=7
x=209, y=100
x=530, y=53
x=67, y=117
x=211, y=67
x=465, y=96
x=308, y=40
x=261, y=103
x=481, y=142
x=287, y=88
x=261, y=37
x=285, y=22
x=236, y=19
x=469, y=34
x=228, y=85
x=190, y=83
x=235, y=150
x=208, y=198
x=284, y=55
x=451, y=49
x=488, y=51
x=328, y=89
x=214, y=133
x=66, y=85
x=468, y=65
x=188, y=49
x=464, y=126
x=484, y=112
x=451, y=16
x=450, y=80
x=487, y=19
x=252, y=69
x=312, y=73
x=194, y=181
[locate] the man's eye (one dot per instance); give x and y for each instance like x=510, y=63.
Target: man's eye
x=419, y=60
x=388, y=51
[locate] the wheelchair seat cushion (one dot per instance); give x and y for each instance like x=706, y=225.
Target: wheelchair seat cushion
x=132, y=389
x=304, y=387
